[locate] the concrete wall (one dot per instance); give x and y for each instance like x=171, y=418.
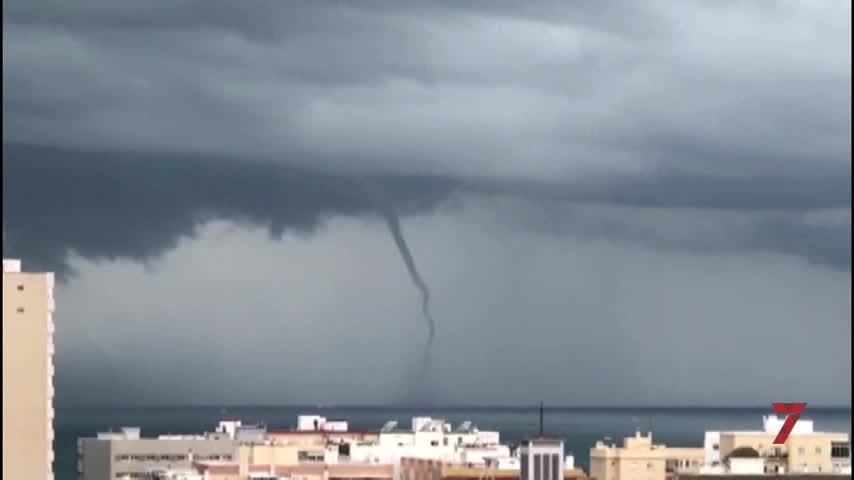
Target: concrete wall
x=27, y=375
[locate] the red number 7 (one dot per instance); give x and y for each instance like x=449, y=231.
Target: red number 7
x=793, y=410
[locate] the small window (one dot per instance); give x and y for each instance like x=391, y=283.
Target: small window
x=20, y=288
x=20, y=310
x=818, y=450
x=801, y=450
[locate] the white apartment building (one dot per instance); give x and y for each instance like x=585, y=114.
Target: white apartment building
x=434, y=439
x=28, y=306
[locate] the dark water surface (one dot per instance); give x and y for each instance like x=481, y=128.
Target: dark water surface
x=579, y=427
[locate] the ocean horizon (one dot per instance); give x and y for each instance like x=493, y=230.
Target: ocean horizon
x=579, y=426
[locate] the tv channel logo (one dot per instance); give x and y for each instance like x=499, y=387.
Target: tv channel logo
x=793, y=413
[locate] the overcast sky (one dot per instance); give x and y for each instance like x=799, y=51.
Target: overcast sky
x=611, y=202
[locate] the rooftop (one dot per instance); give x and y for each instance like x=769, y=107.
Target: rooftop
x=542, y=440
x=11, y=265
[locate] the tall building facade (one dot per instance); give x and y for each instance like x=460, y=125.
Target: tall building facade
x=28, y=306
x=541, y=458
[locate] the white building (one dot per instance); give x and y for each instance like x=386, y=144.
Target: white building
x=433, y=439
x=318, y=423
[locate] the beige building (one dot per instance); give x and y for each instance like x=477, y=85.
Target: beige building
x=271, y=459
x=28, y=306
x=814, y=452
x=304, y=471
x=424, y=469
x=805, y=451
x=640, y=459
x=125, y=455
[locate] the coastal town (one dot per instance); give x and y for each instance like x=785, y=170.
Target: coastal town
x=319, y=448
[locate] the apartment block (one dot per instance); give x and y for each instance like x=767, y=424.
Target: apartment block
x=806, y=451
x=126, y=455
x=640, y=459
x=28, y=306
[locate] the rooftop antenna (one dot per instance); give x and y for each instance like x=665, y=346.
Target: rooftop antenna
x=541, y=419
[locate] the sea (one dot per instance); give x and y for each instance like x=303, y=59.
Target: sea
x=579, y=427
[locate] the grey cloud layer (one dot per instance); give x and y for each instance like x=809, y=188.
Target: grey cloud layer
x=106, y=205
x=691, y=129
x=485, y=89
x=742, y=107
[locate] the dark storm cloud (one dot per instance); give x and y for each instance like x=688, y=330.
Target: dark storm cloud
x=112, y=205
x=264, y=112
x=543, y=90
x=270, y=20
x=825, y=242
x=104, y=205
x=688, y=128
